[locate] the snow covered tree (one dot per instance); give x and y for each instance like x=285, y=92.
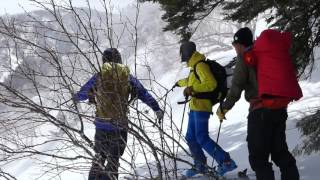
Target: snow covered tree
x=289, y=15
x=309, y=127
x=181, y=14
x=49, y=54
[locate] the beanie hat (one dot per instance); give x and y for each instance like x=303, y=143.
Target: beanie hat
x=243, y=36
x=111, y=55
x=187, y=48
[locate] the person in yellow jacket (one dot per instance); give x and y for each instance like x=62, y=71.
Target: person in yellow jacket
x=197, y=135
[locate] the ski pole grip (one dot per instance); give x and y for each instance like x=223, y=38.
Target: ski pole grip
x=185, y=101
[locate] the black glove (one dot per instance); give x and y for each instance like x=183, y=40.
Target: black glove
x=92, y=100
x=188, y=91
x=91, y=96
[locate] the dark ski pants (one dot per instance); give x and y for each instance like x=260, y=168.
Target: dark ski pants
x=266, y=136
x=198, y=138
x=109, y=146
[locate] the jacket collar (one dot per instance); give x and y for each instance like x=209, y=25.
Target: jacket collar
x=196, y=57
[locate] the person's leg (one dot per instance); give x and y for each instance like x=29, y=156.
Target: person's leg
x=212, y=148
x=280, y=153
x=259, y=142
x=114, y=150
x=202, y=137
x=194, y=147
x=97, y=167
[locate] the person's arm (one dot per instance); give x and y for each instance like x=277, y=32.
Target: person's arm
x=143, y=94
x=240, y=78
x=84, y=92
x=207, y=80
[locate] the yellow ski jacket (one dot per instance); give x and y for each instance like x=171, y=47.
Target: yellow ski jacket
x=205, y=83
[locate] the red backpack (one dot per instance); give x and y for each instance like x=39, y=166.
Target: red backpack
x=276, y=74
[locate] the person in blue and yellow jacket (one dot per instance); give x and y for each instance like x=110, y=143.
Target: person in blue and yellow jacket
x=197, y=135
x=109, y=90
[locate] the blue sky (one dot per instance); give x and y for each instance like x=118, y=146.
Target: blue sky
x=15, y=6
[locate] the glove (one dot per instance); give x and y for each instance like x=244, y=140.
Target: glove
x=188, y=91
x=159, y=115
x=91, y=96
x=221, y=113
x=92, y=100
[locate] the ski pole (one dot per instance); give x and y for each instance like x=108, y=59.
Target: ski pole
x=217, y=142
x=184, y=110
x=185, y=101
x=219, y=132
x=166, y=94
x=220, y=123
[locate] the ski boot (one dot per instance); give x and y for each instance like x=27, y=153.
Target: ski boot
x=196, y=171
x=226, y=166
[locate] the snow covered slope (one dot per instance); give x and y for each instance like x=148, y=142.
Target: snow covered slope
x=159, y=52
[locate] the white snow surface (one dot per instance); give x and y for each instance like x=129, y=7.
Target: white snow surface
x=161, y=52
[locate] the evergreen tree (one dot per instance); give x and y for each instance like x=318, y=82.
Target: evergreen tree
x=309, y=126
x=300, y=17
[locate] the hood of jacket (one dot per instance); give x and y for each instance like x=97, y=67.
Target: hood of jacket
x=196, y=57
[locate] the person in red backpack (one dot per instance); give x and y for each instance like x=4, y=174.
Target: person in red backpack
x=267, y=112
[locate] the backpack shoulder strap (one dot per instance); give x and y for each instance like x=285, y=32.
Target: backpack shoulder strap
x=195, y=66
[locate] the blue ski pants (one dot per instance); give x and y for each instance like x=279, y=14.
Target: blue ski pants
x=198, y=138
